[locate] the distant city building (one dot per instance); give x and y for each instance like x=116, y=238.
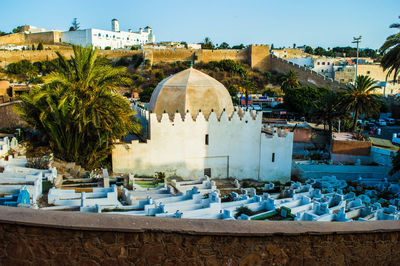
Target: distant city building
x=115, y=39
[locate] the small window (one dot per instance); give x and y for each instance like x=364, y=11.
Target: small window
x=273, y=157
x=317, y=63
x=368, y=72
x=206, y=139
x=127, y=38
x=329, y=63
x=114, y=36
x=323, y=63
x=99, y=34
x=207, y=172
x=322, y=71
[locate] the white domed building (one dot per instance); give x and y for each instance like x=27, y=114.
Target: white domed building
x=194, y=130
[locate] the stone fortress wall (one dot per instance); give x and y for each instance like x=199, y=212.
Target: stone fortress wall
x=306, y=76
x=47, y=237
x=257, y=56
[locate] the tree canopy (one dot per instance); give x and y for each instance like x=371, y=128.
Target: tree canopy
x=391, y=50
x=77, y=109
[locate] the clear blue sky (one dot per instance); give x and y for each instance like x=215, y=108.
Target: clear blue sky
x=325, y=23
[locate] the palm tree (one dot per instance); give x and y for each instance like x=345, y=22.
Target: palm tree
x=360, y=99
x=207, y=44
x=329, y=108
x=391, y=49
x=78, y=110
x=290, y=81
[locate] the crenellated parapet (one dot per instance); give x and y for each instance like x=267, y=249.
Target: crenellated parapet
x=238, y=115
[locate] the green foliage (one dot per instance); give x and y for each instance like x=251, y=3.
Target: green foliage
x=360, y=98
x=136, y=60
x=207, y=44
x=224, y=45
x=271, y=93
x=134, y=47
x=309, y=50
x=159, y=177
x=123, y=61
x=107, y=48
x=240, y=46
x=77, y=111
x=74, y=25
x=159, y=75
x=145, y=95
x=227, y=65
x=246, y=184
x=23, y=67
x=243, y=210
x=35, y=80
x=290, y=81
x=17, y=29
x=329, y=107
x=391, y=50
x=302, y=100
x=40, y=47
x=45, y=67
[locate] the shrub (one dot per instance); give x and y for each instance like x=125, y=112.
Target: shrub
x=40, y=46
x=243, y=210
x=107, y=48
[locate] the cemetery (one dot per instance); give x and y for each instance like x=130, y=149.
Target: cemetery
x=312, y=197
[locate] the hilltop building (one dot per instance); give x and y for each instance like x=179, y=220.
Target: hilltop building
x=115, y=38
x=194, y=130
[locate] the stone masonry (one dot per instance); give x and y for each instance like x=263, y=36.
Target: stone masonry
x=90, y=239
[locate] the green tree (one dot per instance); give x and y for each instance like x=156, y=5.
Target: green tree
x=40, y=46
x=290, y=81
x=391, y=50
x=249, y=87
x=360, y=98
x=329, y=108
x=320, y=51
x=302, y=100
x=74, y=25
x=309, y=50
x=77, y=109
x=224, y=45
x=145, y=95
x=240, y=46
x=207, y=44
x=17, y=29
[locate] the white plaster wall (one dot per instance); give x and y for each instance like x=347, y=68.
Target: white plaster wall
x=103, y=38
x=178, y=147
x=79, y=37
x=280, y=169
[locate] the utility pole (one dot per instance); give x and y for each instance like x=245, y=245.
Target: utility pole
x=356, y=40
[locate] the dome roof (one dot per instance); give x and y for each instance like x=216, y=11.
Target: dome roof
x=190, y=90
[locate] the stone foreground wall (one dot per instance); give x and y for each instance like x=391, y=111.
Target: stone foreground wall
x=101, y=239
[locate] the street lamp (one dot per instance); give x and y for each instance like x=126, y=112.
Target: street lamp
x=356, y=40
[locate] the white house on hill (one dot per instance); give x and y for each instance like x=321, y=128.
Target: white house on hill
x=115, y=39
x=194, y=130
